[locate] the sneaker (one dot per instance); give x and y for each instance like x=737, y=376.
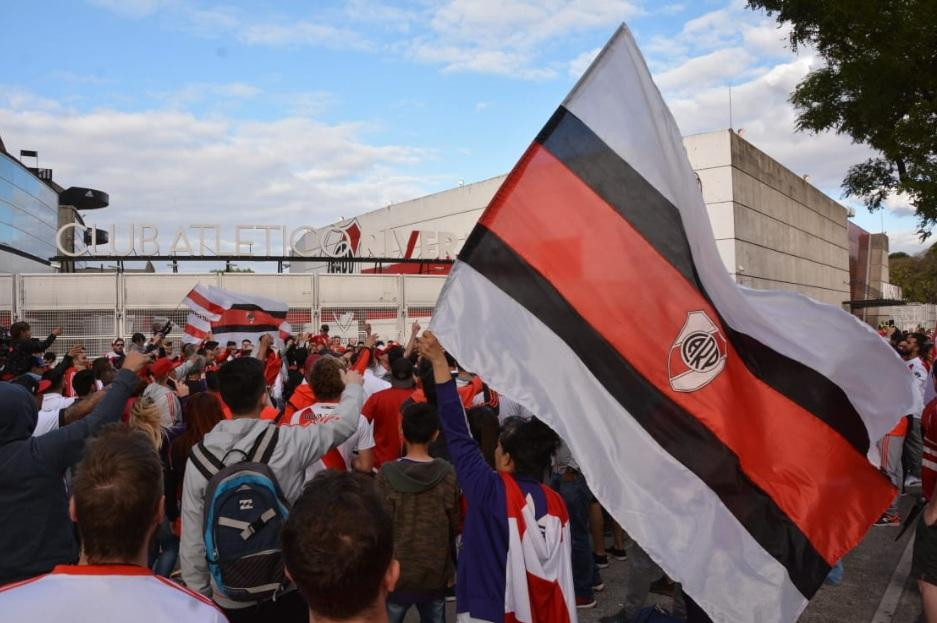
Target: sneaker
x=600, y=561
x=599, y=585
x=912, y=481
x=888, y=520
x=585, y=602
x=450, y=593
x=617, y=554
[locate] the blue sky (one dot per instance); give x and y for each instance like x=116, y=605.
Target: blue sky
x=302, y=112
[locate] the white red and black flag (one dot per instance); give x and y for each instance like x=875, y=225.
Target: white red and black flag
x=197, y=329
x=726, y=429
x=207, y=301
x=236, y=317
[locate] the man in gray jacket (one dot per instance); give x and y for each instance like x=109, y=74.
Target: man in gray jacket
x=243, y=389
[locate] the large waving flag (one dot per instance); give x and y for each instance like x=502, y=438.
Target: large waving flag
x=726, y=429
x=234, y=316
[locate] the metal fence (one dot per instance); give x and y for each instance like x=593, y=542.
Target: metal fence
x=93, y=309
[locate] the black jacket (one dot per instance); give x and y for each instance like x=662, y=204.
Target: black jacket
x=36, y=532
x=20, y=359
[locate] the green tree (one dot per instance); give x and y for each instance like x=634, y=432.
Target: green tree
x=878, y=86
x=916, y=275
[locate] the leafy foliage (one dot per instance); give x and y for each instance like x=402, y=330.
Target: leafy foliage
x=879, y=86
x=915, y=274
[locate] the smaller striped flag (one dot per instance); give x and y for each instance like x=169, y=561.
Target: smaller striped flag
x=235, y=317
x=197, y=329
x=207, y=301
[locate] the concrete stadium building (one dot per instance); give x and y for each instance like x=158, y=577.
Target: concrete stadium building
x=773, y=229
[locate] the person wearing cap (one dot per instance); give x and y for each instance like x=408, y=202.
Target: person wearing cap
x=39, y=367
x=37, y=532
x=162, y=391
x=382, y=409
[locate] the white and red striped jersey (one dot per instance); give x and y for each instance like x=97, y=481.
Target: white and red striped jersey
x=94, y=593
x=341, y=456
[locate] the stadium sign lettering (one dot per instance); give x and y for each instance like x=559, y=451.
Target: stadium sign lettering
x=142, y=240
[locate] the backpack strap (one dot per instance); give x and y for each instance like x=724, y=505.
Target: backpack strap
x=206, y=462
x=264, y=445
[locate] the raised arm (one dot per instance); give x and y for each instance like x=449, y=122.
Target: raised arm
x=411, y=343
x=477, y=479
x=315, y=440
x=81, y=408
x=364, y=358
x=63, y=447
x=40, y=346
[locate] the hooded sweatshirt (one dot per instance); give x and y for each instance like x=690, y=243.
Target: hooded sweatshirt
x=424, y=500
x=37, y=532
x=515, y=562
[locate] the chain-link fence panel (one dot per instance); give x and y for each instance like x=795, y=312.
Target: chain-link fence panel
x=95, y=329
x=349, y=323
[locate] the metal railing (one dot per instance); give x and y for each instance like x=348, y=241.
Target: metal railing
x=93, y=309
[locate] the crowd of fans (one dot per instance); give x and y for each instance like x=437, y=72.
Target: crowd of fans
x=318, y=478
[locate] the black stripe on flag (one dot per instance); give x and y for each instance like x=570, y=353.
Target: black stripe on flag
x=245, y=328
x=253, y=307
x=658, y=221
x=677, y=431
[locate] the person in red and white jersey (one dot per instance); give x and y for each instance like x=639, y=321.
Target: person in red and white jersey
x=321, y=339
x=118, y=505
x=357, y=452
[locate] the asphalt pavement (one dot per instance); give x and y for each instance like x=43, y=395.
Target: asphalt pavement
x=875, y=587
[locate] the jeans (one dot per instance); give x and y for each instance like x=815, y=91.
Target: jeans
x=430, y=611
x=574, y=491
x=167, y=550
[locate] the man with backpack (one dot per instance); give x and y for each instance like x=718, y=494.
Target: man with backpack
x=239, y=483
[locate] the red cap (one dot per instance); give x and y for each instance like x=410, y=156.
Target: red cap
x=43, y=386
x=163, y=366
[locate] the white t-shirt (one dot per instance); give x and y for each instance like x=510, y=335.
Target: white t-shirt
x=91, y=594
x=920, y=376
x=48, y=420
x=342, y=455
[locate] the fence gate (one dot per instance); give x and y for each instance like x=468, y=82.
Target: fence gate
x=94, y=308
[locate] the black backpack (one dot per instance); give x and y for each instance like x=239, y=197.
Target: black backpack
x=243, y=514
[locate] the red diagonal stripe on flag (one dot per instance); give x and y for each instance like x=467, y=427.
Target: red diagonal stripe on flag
x=541, y=228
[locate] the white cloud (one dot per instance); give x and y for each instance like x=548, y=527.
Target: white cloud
x=509, y=37
x=706, y=70
x=201, y=91
x=303, y=33
x=580, y=64
x=907, y=241
x=176, y=168
x=899, y=204
x=673, y=9
x=482, y=105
